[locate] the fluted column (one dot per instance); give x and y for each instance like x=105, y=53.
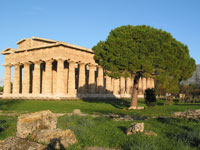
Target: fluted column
x=100, y=79
x=108, y=84
x=66, y=69
x=48, y=77
x=144, y=84
x=129, y=84
x=140, y=86
x=148, y=83
x=16, y=79
x=91, y=81
x=7, y=80
x=26, y=79
x=81, y=79
x=36, y=77
x=122, y=86
x=60, y=77
x=116, y=86
x=71, y=78
x=43, y=77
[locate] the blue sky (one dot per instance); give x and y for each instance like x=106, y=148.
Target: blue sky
x=85, y=22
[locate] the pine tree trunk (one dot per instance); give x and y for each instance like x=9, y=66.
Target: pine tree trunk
x=134, y=98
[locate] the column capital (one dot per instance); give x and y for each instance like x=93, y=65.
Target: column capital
x=100, y=66
x=26, y=63
x=48, y=60
x=91, y=66
x=81, y=63
x=37, y=62
x=60, y=59
x=71, y=61
x=7, y=65
x=16, y=64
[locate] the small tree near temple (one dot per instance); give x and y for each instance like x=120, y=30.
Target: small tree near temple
x=143, y=51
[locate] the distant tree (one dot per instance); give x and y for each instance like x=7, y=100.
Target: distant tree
x=143, y=51
x=197, y=80
x=1, y=88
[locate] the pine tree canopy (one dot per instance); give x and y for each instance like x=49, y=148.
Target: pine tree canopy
x=147, y=52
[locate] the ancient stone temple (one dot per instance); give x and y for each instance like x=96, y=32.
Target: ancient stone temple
x=42, y=68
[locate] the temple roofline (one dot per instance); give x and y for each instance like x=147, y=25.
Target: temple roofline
x=54, y=44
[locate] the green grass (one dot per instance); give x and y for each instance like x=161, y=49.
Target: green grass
x=94, y=106
x=7, y=126
x=173, y=134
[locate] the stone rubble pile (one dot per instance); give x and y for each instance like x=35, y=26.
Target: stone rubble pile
x=39, y=127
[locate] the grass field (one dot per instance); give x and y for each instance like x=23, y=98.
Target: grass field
x=173, y=134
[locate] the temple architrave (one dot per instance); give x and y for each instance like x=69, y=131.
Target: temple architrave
x=47, y=69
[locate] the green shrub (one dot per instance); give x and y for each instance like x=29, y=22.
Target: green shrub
x=150, y=97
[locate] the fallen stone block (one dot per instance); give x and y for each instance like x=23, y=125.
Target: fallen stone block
x=15, y=143
x=56, y=138
x=30, y=124
x=135, y=128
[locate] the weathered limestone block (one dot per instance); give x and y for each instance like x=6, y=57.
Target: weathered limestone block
x=136, y=107
x=135, y=128
x=190, y=114
x=30, y=124
x=58, y=137
x=14, y=143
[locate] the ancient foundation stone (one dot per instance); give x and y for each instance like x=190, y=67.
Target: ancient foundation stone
x=29, y=124
x=56, y=138
x=134, y=107
x=14, y=143
x=190, y=114
x=135, y=128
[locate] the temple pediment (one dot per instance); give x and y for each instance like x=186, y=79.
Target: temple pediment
x=34, y=42
x=8, y=51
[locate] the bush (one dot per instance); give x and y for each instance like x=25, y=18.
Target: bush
x=150, y=97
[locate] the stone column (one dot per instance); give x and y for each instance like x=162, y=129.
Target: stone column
x=91, y=81
x=66, y=69
x=129, y=84
x=152, y=83
x=81, y=79
x=43, y=77
x=7, y=80
x=100, y=79
x=148, y=83
x=122, y=86
x=116, y=86
x=144, y=84
x=71, y=78
x=16, y=79
x=36, y=77
x=108, y=84
x=140, y=86
x=26, y=79
x=60, y=77
x=48, y=77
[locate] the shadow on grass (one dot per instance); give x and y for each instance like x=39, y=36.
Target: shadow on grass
x=123, y=129
x=54, y=144
x=117, y=103
x=3, y=125
x=7, y=104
